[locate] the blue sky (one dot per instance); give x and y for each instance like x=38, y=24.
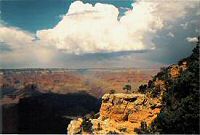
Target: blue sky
x=116, y=33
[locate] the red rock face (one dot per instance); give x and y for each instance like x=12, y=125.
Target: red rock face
x=116, y=80
x=134, y=108
x=95, y=83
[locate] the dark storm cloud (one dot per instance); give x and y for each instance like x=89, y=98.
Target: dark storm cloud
x=169, y=49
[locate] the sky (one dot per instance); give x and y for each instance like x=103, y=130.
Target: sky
x=96, y=33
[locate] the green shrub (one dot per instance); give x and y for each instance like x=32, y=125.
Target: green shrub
x=127, y=87
x=143, y=88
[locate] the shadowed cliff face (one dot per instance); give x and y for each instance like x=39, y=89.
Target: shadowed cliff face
x=46, y=113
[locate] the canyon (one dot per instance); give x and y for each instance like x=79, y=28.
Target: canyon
x=28, y=95
x=168, y=103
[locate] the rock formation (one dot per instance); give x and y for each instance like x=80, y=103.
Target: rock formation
x=120, y=113
x=75, y=126
x=124, y=113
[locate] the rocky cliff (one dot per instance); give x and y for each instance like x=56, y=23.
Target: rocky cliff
x=119, y=113
x=129, y=113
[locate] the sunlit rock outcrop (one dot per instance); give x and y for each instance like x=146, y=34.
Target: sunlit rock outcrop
x=74, y=126
x=121, y=113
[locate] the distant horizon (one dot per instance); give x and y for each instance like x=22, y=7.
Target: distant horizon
x=79, y=68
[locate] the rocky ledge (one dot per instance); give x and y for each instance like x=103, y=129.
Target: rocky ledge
x=119, y=113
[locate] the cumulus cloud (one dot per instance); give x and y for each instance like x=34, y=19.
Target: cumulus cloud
x=15, y=38
x=19, y=48
x=149, y=25
x=90, y=29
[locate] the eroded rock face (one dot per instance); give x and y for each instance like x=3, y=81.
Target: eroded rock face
x=123, y=113
x=74, y=126
x=118, y=106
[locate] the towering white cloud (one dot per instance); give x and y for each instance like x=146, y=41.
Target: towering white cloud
x=89, y=29
x=97, y=29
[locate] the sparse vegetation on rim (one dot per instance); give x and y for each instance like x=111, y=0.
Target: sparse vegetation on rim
x=180, y=98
